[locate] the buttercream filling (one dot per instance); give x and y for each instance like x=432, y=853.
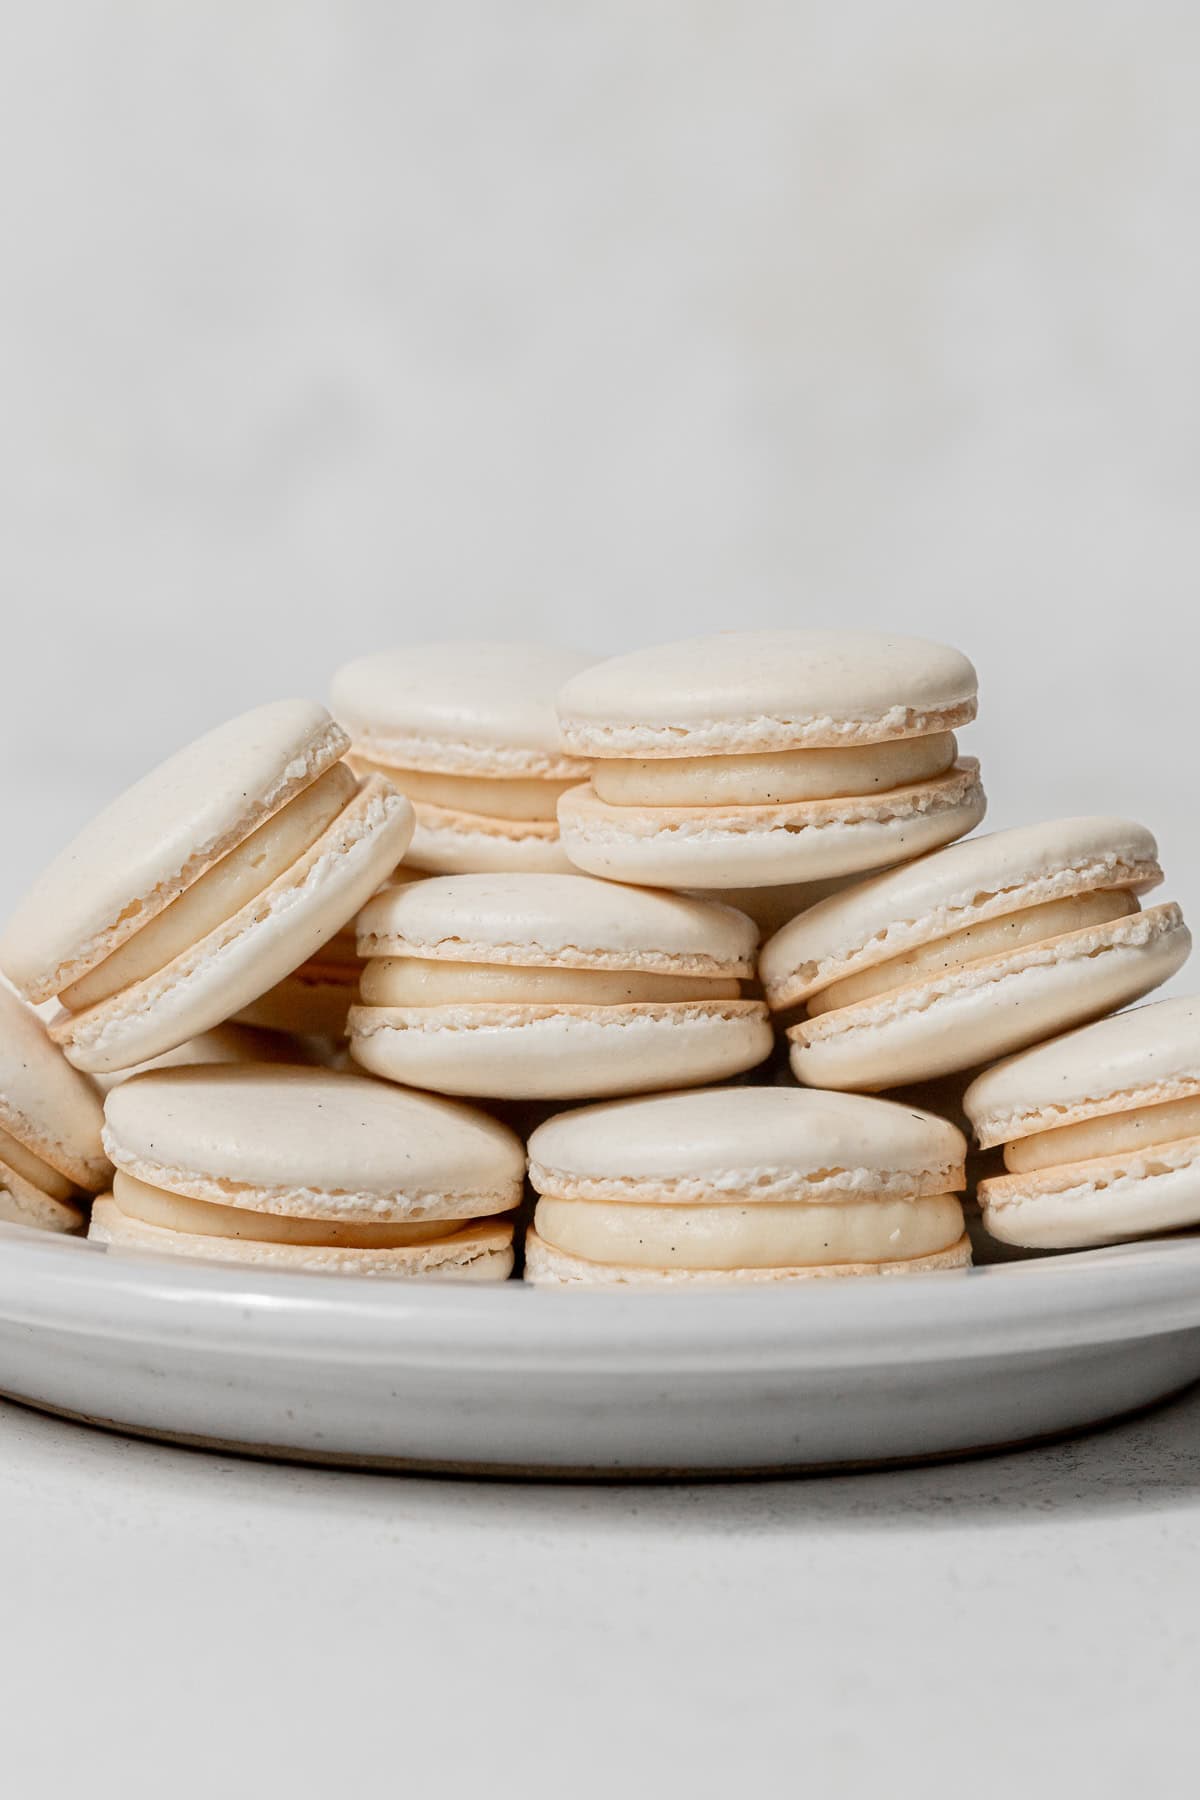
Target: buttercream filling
x=415, y=981
x=976, y=943
x=221, y=891
x=23, y=1161
x=205, y=1218
x=497, y=797
x=762, y=1235
x=775, y=778
x=1111, y=1134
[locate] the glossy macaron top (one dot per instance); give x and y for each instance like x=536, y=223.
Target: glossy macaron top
x=572, y=921
x=1130, y=1060
x=979, y=878
x=746, y=691
x=294, y=1134
x=466, y=708
x=756, y=1144
x=44, y=1103
x=152, y=841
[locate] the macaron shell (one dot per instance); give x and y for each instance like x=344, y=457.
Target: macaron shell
x=743, y=691
x=1138, y=1058
x=21, y=1203
x=1105, y=1201
x=937, y=895
x=560, y=1052
x=458, y=843
x=763, y=846
x=53, y=1109
x=989, y=1008
x=479, y=1253
x=570, y=921
x=137, y=855
x=463, y=708
x=312, y=1143
x=259, y=946
x=302, y=1005
x=747, y=1145
x=547, y=1267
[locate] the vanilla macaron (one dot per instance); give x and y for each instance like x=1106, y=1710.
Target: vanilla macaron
x=50, y=1120
x=752, y=759
x=299, y=1168
x=516, y=987
x=468, y=731
x=970, y=953
x=203, y=885
x=1100, y=1128
x=736, y=1185
x=315, y=999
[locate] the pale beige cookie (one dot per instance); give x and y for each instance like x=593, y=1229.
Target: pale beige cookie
x=203, y=885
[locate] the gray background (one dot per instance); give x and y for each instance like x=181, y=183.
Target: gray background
x=327, y=326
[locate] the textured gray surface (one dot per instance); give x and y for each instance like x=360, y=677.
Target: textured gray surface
x=1022, y=1624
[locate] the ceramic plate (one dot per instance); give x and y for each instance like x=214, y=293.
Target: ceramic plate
x=512, y=1380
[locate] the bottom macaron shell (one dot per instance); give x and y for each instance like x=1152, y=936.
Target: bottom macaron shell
x=458, y=843
x=546, y=1266
x=989, y=1008
x=756, y=846
x=560, y=1052
x=1078, y=1206
x=21, y=1203
x=479, y=1253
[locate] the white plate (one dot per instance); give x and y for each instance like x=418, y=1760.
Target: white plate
x=515, y=1380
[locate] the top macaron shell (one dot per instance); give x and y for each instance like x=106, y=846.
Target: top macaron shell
x=44, y=1103
x=311, y=1143
x=462, y=708
x=1138, y=1058
x=752, y=691
x=748, y=1145
x=969, y=1015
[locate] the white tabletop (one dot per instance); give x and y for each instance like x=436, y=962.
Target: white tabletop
x=1014, y=1624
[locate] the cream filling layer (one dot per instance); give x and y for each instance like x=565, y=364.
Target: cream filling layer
x=414, y=981
x=221, y=891
x=205, y=1218
x=23, y=1161
x=775, y=778
x=497, y=797
x=976, y=943
x=763, y=1235
x=1111, y=1134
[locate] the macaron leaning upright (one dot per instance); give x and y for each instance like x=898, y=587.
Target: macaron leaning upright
x=1101, y=1131
x=468, y=731
x=203, y=885
x=306, y=1169
x=50, y=1119
x=523, y=987
x=972, y=952
x=752, y=759
x=743, y=1185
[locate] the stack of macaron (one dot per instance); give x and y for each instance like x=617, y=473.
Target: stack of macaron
x=717, y=898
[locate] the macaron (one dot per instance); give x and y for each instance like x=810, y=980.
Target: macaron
x=742, y=1185
x=972, y=952
x=203, y=885
x=468, y=731
x=1100, y=1128
x=752, y=759
x=50, y=1120
x=302, y=1168
x=315, y=999
x=523, y=987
